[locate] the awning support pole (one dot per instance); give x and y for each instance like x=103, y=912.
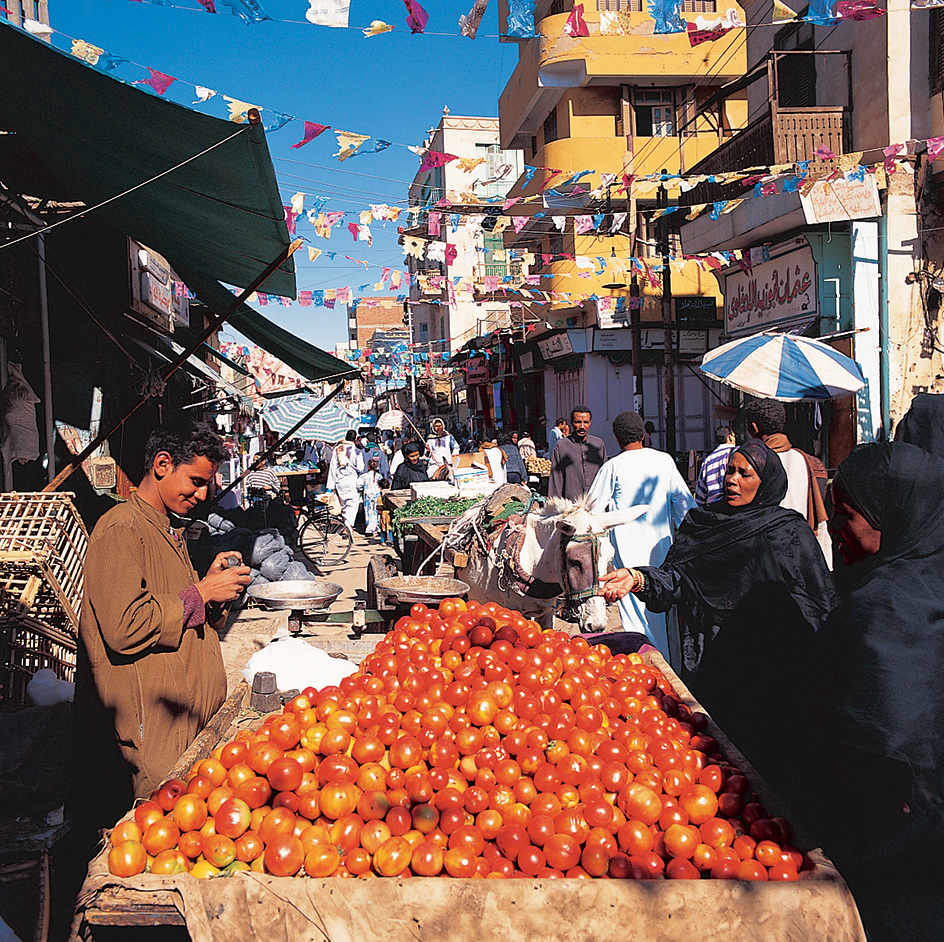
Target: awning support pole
x=47, y=363
x=172, y=368
x=260, y=459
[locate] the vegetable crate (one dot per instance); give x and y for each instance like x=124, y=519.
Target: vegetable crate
x=42, y=551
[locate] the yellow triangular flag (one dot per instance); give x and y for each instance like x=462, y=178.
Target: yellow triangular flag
x=238, y=110
x=782, y=12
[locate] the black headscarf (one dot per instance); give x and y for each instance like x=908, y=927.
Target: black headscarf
x=727, y=550
x=885, y=643
x=923, y=425
x=875, y=762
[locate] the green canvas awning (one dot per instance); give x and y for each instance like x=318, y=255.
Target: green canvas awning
x=220, y=214
x=301, y=356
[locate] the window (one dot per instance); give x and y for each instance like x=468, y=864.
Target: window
x=550, y=126
x=627, y=6
x=560, y=6
x=442, y=326
x=494, y=243
x=936, y=46
x=534, y=146
x=556, y=243
x=655, y=112
x=699, y=6
x=796, y=73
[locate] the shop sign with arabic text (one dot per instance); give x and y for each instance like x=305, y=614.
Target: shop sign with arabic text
x=771, y=293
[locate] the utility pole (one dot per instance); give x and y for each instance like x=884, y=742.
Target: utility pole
x=635, y=303
x=668, y=371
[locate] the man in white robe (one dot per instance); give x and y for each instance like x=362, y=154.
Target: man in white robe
x=639, y=475
x=347, y=464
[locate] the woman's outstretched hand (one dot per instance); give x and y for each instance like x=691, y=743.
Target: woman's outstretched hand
x=616, y=585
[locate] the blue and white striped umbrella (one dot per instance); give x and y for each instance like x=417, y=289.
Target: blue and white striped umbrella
x=330, y=424
x=785, y=367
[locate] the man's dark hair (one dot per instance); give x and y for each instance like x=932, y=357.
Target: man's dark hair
x=504, y=437
x=577, y=409
x=350, y=435
x=628, y=428
x=183, y=439
x=721, y=434
x=560, y=421
x=650, y=427
x=768, y=415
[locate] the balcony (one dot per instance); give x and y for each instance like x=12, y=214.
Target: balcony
x=782, y=136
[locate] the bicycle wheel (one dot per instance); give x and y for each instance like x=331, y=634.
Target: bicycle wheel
x=312, y=541
x=337, y=543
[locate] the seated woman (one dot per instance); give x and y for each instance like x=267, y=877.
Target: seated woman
x=752, y=588
x=411, y=470
x=515, y=471
x=874, y=781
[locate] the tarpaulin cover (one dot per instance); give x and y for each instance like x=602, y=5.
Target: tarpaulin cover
x=220, y=215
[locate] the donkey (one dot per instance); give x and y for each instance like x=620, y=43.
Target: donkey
x=559, y=549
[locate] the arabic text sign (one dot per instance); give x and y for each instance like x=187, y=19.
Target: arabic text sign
x=781, y=290
x=841, y=200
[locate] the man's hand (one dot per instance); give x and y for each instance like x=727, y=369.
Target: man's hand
x=616, y=584
x=222, y=584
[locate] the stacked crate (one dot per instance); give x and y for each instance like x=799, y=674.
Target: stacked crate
x=42, y=552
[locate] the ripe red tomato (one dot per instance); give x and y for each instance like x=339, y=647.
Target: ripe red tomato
x=127, y=859
x=285, y=775
x=393, y=857
x=284, y=855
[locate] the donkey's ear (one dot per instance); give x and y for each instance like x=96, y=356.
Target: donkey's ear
x=613, y=518
x=566, y=527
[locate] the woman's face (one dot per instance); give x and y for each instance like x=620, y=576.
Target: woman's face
x=855, y=537
x=741, y=481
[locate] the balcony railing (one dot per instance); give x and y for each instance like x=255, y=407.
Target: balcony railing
x=782, y=136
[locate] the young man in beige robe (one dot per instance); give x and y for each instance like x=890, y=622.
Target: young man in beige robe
x=150, y=672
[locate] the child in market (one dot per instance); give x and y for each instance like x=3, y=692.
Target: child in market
x=370, y=484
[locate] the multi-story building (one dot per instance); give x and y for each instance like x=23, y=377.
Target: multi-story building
x=455, y=204
x=868, y=244
x=445, y=311
x=619, y=101
x=367, y=315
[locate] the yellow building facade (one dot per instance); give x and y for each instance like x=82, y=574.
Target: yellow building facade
x=621, y=101
x=622, y=104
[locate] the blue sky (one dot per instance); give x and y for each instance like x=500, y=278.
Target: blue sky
x=392, y=87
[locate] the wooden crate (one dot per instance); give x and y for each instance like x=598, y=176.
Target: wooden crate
x=28, y=645
x=42, y=551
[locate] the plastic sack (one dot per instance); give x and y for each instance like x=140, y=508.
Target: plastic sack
x=46, y=689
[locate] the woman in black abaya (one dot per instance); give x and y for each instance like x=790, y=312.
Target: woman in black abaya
x=875, y=783
x=752, y=587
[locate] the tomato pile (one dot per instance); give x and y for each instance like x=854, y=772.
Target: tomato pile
x=469, y=744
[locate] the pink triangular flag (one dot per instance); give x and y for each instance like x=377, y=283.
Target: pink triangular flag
x=433, y=158
x=935, y=147
x=417, y=17
x=824, y=153
x=575, y=25
x=290, y=217
x=158, y=81
x=312, y=130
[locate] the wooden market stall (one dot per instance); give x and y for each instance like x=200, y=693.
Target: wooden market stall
x=251, y=906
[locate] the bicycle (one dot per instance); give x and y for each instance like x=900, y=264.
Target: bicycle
x=323, y=538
